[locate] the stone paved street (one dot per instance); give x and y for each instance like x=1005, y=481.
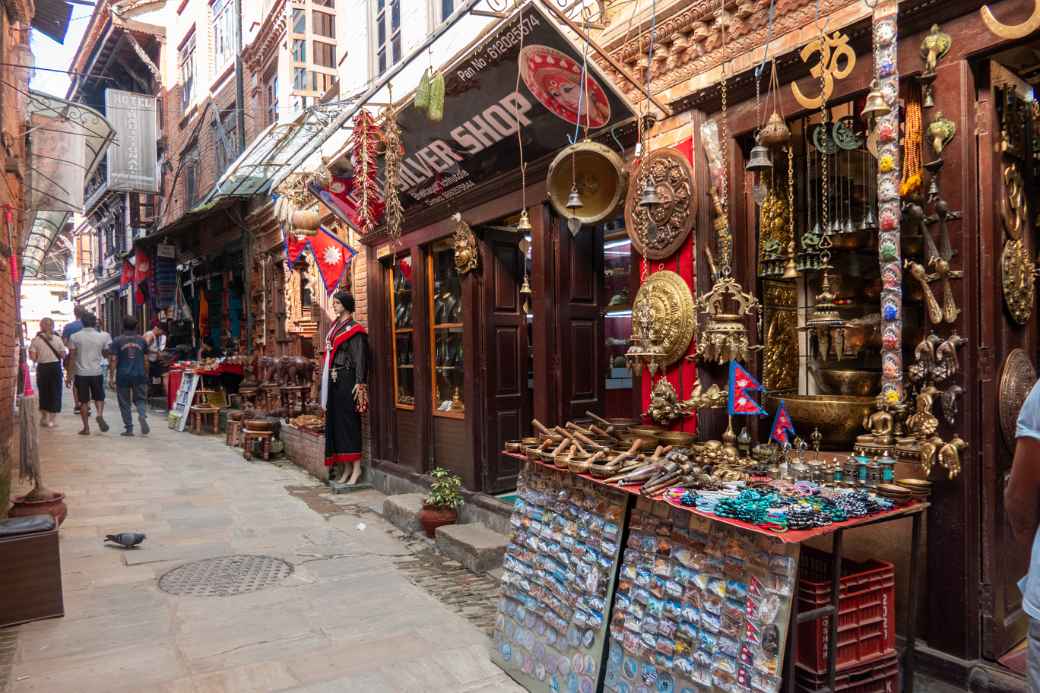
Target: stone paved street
x=365, y=609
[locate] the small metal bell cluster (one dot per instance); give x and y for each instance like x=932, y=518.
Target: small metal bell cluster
x=645, y=349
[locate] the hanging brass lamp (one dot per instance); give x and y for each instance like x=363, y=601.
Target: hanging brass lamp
x=775, y=132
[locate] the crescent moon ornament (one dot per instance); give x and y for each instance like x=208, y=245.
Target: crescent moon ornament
x=1012, y=32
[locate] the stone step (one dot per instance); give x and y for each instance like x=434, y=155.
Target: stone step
x=473, y=545
x=402, y=511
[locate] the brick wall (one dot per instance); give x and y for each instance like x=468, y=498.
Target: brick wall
x=12, y=157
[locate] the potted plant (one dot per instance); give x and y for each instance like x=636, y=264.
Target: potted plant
x=441, y=505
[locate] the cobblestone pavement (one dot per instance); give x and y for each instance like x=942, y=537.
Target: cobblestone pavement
x=365, y=608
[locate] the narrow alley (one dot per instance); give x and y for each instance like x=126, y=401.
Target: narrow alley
x=356, y=605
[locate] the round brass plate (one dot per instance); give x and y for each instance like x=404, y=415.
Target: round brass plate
x=596, y=171
x=671, y=306
x=1016, y=276
x=1017, y=377
x=672, y=177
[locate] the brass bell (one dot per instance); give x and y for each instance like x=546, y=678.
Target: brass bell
x=759, y=159
x=574, y=199
x=875, y=106
x=523, y=224
x=649, y=198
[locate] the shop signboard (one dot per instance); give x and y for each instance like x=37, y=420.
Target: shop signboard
x=58, y=164
x=485, y=104
x=133, y=156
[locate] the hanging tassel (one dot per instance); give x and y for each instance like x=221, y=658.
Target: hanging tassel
x=422, y=93
x=436, y=107
x=913, y=178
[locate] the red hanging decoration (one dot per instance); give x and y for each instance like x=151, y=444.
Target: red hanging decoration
x=363, y=156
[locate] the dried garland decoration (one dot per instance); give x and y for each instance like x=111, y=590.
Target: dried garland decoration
x=393, y=214
x=363, y=157
x=912, y=140
x=888, y=180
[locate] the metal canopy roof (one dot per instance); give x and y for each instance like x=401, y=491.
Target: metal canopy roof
x=97, y=133
x=273, y=152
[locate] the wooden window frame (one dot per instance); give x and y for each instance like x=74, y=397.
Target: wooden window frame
x=394, y=332
x=434, y=327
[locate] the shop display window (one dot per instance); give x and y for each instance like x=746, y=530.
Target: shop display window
x=402, y=329
x=446, y=333
x=617, y=316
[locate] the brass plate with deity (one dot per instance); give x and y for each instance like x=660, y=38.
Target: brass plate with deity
x=1016, y=277
x=671, y=308
x=1017, y=377
x=672, y=178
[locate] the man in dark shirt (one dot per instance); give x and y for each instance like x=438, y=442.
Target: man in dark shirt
x=126, y=355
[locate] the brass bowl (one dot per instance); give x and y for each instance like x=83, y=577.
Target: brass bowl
x=579, y=465
x=623, y=423
x=514, y=446
x=839, y=417
x=915, y=484
x=648, y=443
x=531, y=441
x=562, y=460
x=259, y=425
x=603, y=471
x=858, y=383
x=677, y=439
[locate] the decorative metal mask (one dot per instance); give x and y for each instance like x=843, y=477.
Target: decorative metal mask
x=467, y=257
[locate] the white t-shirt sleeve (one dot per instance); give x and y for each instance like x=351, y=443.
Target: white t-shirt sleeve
x=1029, y=415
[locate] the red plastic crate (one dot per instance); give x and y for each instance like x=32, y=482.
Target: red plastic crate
x=866, y=610
x=878, y=676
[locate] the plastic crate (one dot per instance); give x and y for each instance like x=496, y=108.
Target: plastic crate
x=878, y=676
x=866, y=610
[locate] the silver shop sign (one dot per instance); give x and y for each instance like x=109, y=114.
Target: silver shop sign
x=132, y=158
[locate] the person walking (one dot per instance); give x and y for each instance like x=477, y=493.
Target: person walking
x=66, y=334
x=86, y=352
x=127, y=367
x=47, y=350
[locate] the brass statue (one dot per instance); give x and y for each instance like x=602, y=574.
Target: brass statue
x=950, y=456
x=940, y=132
x=922, y=423
x=665, y=406
x=880, y=423
x=934, y=48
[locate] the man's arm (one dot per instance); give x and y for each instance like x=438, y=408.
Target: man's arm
x=1023, y=489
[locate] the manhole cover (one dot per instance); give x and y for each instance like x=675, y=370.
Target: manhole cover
x=223, y=577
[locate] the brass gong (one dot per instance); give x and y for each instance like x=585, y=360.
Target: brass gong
x=1017, y=377
x=597, y=172
x=1017, y=279
x=672, y=177
x=671, y=306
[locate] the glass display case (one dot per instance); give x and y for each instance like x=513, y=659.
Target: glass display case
x=402, y=331
x=617, y=316
x=446, y=333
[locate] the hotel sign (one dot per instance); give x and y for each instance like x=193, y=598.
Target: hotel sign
x=133, y=156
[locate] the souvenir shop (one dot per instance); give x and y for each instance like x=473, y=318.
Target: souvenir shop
x=860, y=272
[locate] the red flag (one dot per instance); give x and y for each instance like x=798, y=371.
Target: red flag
x=142, y=273
x=782, y=425
x=740, y=384
x=332, y=255
x=294, y=247
x=127, y=274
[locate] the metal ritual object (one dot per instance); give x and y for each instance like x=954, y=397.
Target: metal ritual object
x=225, y=576
x=837, y=60
x=662, y=320
x=589, y=174
x=1017, y=377
x=658, y=230
x=1012, y=32
x=722, y=334
x=1017, y=280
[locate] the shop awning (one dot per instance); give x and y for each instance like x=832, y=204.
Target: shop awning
x=52, y=18
x=271, y=154
x=55, y=117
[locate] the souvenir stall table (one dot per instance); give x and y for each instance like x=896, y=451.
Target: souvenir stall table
x=609, y=589
x=212, y=368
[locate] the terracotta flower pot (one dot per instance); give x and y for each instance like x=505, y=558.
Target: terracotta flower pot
x=433, y=516
x=306, y=219
x=52, y=504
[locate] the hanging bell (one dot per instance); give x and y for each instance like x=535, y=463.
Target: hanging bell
x=875, y=106
x=574, y=199
x=790, y=268
x=525, y=288
x=649, y=198
x=523, y=224
x=759, y=159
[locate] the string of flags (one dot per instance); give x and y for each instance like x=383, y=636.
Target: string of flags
x=331, y=254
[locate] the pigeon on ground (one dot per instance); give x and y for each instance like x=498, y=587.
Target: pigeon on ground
x=127, y=540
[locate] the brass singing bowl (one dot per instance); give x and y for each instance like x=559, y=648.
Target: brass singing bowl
x=677, y=439
x=839, y=417
x=646, y=442
x=259, y=425
x=836, y=381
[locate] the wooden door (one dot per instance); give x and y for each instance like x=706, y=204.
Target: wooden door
x=579, y=283
x=503, y=358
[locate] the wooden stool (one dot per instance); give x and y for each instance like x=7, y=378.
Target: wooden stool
x=248, y=397
x=270, y=397
x=201, y=415
x=202, y=397
x=249, y=438
x=293, y=397
x=234, y=433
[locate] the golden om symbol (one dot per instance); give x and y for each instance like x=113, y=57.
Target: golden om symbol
x=831, y=49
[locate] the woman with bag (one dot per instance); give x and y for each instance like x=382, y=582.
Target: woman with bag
x=47, y=350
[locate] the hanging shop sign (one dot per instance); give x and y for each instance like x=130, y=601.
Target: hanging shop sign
x=133, y=156
x=484, y=107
